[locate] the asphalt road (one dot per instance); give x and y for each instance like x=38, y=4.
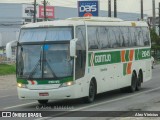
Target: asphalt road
x=147, y=99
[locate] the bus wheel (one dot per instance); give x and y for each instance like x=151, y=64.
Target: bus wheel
x=139, y=81
x=132, y=88
x=92, y=92
x=42, y=101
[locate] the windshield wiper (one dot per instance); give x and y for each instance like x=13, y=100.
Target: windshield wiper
x=34, y=69
x=41, y=68
x=40, y=60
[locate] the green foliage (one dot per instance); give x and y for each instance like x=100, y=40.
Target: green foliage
x=155, y=40
x=6, y=69
x=154, y=37
x=156, y=47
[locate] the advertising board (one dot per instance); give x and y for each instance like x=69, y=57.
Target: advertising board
x=88, y=8
x=49, y=11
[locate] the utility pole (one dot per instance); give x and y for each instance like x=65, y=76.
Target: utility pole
x=109, y=8
x=115, y=8
x=45, y=17
x=141, y=9
x=159, y=18
x=153, y=20
x=35, y=11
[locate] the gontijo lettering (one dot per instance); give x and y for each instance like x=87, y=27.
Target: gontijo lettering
x=102, y=58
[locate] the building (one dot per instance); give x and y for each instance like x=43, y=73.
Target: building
x=73, y=12
x=14, y=15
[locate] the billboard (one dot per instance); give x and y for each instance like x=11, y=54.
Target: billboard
x=28, y=10
x=49, y=11
x=88, y=8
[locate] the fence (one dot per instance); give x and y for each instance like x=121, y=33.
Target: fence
x=3, y=58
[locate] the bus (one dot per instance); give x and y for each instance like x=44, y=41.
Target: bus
x=81, y=57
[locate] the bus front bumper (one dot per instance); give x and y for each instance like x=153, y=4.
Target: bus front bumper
x=54, y=94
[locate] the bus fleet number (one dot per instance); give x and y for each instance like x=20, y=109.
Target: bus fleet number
x=145, y=54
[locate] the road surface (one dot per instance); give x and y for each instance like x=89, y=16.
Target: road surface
x=147, y=99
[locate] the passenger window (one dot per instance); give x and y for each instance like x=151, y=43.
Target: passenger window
x=104, y=37
x=93, y=35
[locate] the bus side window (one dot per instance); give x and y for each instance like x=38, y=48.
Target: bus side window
x=116, y=43
x=133, y=36
x=146, y=36
x=93, y=38
x=140, y=37
x=80, y=51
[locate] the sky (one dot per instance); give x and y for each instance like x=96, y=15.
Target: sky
x=122, y=5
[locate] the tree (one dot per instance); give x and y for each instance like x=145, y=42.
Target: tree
x=155, y=41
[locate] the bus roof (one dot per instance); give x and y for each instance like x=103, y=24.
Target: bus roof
x=101, y=21
x=96, y=19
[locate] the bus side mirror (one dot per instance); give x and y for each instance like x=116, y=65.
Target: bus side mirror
x=73, y=47
x=9, y=49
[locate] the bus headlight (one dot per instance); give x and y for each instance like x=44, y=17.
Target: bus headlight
x=67, y=84
x=20, y=85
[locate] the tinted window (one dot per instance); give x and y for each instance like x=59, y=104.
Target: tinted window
x=146, y=36
x=104, y=37
x=93, y=40
x=46, y=34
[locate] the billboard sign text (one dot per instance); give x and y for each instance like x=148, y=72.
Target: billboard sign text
x=49, y=11
x=88, y=8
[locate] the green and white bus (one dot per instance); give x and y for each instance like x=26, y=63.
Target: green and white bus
x=82, y=57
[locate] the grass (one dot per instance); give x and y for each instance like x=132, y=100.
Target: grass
x=6, y=69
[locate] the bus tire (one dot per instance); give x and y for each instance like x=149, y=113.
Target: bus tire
x=92, y=92
x=139, y=81
x=132, y=88
x=42, y=102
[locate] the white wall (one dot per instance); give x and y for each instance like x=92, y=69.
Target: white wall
x=7, y=35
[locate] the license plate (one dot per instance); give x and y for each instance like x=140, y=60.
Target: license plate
x=43, y=94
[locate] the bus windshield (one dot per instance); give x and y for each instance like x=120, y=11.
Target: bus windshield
x=47, y=61
x=46, y=34
x=42, y=56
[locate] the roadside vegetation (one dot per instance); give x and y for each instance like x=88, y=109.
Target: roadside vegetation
x=6, y=69
x=155, y=40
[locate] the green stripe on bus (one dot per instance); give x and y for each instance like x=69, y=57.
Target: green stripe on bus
x=102, y=58
x=124, y=69
x=24, y=81
x=142, y=54
x=127, y=55
x=136, y=54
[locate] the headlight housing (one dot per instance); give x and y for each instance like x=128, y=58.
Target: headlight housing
x=67, y=84
x=20, y=85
